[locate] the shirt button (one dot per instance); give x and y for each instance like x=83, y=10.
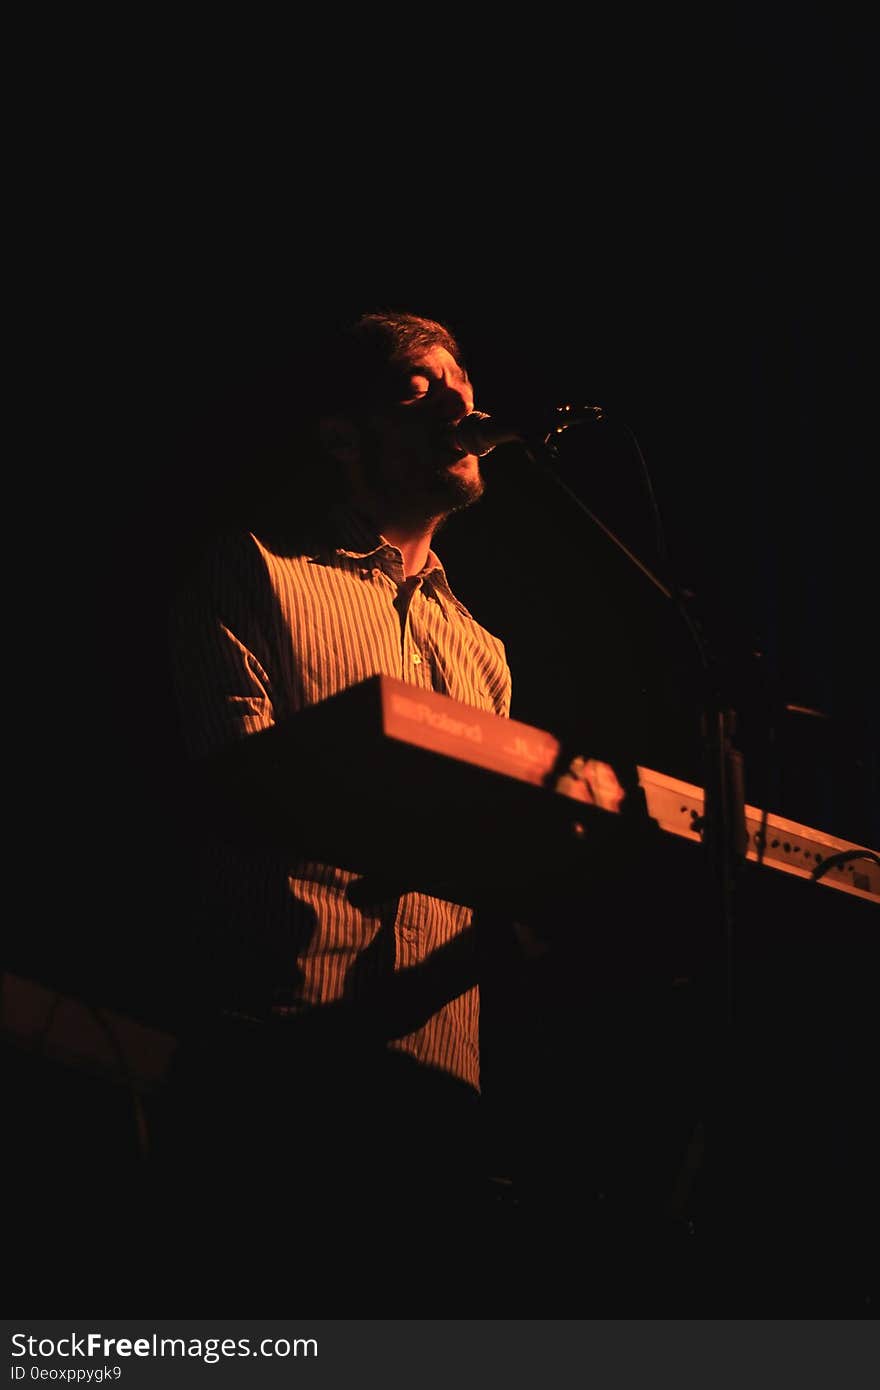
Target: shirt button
x=417, y=660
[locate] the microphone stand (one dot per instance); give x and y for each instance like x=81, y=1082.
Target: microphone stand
x=723, y=823
x=723, y=827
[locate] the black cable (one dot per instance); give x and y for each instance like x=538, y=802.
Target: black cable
x=845, y=856
x=659, y=531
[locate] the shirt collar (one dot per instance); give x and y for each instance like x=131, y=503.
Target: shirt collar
x=355, y=536
x=353, y=533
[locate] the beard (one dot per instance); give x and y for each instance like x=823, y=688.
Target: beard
x=412, y=494
x=456, y=491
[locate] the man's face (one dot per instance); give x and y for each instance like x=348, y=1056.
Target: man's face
x=409, y=461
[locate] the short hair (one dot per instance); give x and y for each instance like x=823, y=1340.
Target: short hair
x=355, y=363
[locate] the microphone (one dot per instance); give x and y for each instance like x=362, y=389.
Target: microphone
x=479, y=434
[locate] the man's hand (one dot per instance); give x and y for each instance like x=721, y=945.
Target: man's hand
x=592, y=781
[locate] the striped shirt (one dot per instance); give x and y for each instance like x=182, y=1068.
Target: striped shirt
x=257, y=635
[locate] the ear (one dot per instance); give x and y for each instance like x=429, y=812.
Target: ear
x=340, y=438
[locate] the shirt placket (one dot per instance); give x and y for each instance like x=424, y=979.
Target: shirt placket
x=415, y=655
x=415, y=669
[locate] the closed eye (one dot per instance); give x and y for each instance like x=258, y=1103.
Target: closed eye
x=417, y=384
x=417, y=387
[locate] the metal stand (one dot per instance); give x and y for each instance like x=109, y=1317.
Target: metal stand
x=724, y=824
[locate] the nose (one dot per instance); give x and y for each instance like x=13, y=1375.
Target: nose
x=456, y=401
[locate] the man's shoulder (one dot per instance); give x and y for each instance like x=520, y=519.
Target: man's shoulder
x=242, y=548
x=224, y=563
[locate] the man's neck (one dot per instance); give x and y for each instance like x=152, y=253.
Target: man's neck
x=410, y=531
x=413, y=542
x=410, y=534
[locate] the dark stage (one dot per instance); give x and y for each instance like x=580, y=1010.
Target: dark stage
x=692, y=254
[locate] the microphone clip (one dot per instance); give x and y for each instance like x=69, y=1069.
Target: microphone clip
x=566, y=417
